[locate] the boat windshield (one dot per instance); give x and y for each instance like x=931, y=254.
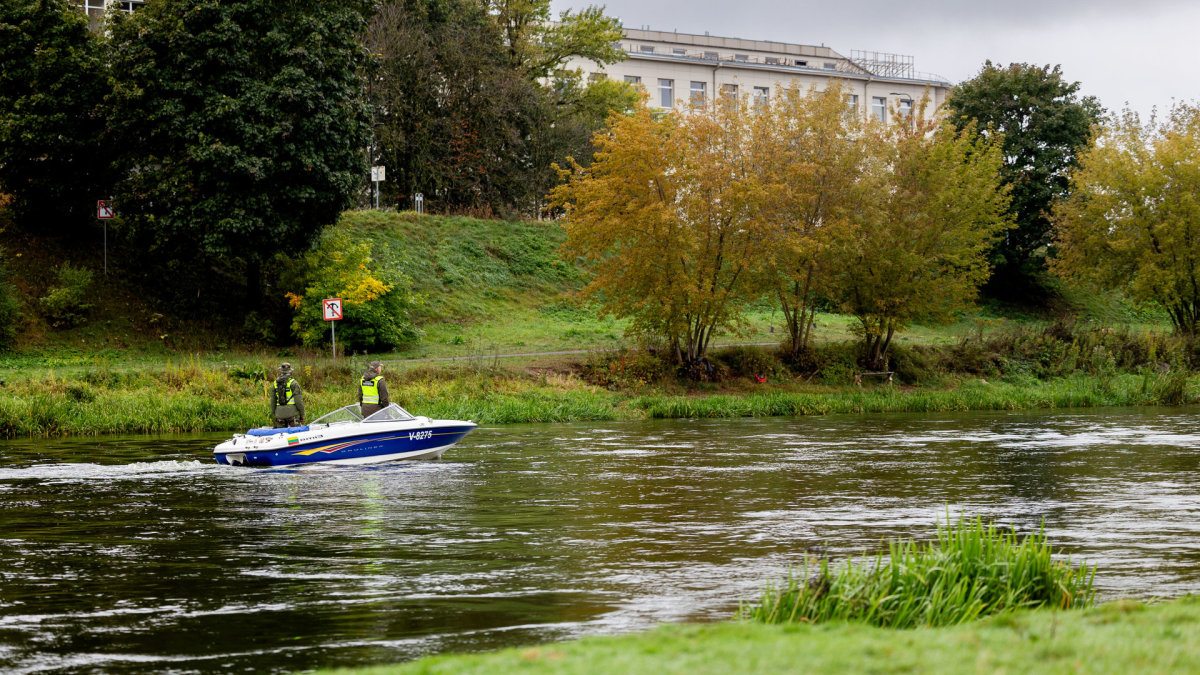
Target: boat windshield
x=392, y=413
x=350, y=413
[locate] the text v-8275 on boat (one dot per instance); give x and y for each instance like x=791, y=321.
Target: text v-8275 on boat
x=344, y=436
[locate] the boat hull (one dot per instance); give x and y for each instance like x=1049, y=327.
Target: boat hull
x=321, y=448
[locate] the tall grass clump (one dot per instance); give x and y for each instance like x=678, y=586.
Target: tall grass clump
x=971, y=570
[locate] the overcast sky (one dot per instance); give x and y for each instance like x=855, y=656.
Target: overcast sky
x=1118, y=50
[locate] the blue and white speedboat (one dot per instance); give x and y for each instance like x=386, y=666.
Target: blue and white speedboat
x=345, y=437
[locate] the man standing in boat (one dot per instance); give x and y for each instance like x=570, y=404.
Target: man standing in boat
x=287, y=402
x=372, y=391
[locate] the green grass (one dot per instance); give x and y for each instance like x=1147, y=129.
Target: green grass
x=1119, y=638
x=1076, y=391
x=971, y=570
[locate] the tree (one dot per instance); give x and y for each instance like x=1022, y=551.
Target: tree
x=453, y=118
x=242, y=127
x=916, y=249
x=812, y=153
x=665, y=215
x=51, y=84
x=473, y=107
x=539, y=47
x=1132, y=220
x=1045, y=124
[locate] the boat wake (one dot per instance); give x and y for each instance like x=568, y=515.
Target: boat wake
x=89, y=471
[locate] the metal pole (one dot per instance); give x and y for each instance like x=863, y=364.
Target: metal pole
x=105, y=248
x=333, y=328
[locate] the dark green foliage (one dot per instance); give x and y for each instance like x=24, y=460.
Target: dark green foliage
x=66, y=305
x=52, y=80
x=972, y=570
x=461, y=112
x=1045, y=125
x=451, y=115
x=242, y=131
x=10, y=308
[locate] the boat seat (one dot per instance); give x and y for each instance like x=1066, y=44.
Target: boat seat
x=267, y=431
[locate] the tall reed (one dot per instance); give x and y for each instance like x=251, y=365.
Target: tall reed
x=971, y=570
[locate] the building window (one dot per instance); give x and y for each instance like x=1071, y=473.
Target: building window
x=772, y=60
x=712, y=55
x=762, y=95
x=633, y=79
x=679, y=52
x=699, y=92
x=905, y=108
x=852, y=103
x=800, y=62
x=741, y=57
x=879, y=108
x=666, y=93
x=646, y=49
x=729, y=92
x=596, y=77
x=830, y=66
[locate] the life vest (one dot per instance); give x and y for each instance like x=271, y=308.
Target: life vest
x=283, y=392
x=370, y=390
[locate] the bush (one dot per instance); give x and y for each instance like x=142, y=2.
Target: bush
x=747, y=361
x=377, y=301
x=625, y=369
x=66, y=305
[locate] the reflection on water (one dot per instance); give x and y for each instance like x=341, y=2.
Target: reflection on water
x=141, y=555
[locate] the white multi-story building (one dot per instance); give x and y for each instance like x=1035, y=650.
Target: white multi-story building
x=95, y=9
x=680, y=68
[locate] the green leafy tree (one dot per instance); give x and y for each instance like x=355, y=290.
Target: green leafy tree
x=539, y=46
x=1132, y=219
x=242, y=126
x=472, y=106
x=52, y=81
x=1045, y=124
x=453, y=119
x=916, y=248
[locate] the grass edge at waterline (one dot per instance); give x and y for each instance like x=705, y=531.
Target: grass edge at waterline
x=202, y=399
x=970, y=570
x=1119, y=637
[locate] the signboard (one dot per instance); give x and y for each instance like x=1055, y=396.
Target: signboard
x=104, y=209
x=378, y=173
x=331, y=309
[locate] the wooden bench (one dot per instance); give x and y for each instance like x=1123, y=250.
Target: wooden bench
x=859, y=376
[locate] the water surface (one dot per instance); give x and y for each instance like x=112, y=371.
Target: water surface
x=139, y=554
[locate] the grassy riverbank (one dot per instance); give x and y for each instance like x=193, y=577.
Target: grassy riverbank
x=1119, y=638
x=206, y=396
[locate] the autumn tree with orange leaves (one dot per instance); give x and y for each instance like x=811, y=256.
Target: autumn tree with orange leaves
x=666, y=218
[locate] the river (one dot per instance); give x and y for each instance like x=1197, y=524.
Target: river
x=139, y=554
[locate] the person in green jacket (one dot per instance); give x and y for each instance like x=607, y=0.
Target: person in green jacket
x=372, y=390
x=287, y=401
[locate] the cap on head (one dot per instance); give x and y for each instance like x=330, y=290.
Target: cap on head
x=374, y=365
x=285, y=367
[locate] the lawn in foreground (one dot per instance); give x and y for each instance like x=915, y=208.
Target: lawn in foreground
x=1120, y=637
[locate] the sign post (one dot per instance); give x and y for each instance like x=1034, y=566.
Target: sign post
x=378, y=174
x=104, y=211
x=331, y=310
